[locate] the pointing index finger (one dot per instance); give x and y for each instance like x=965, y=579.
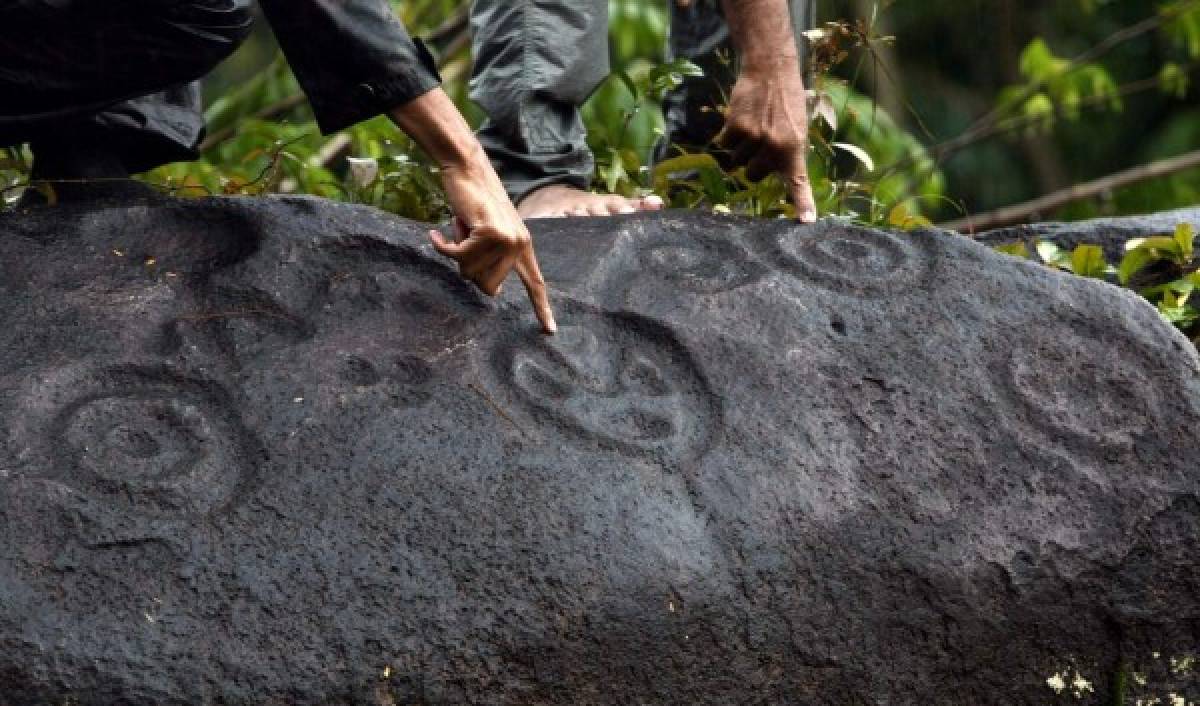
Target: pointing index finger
x=531, y=276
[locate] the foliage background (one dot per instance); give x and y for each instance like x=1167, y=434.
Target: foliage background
x=905, y=77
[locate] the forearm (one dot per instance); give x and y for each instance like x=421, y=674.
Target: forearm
x=435, y=123
x=763, y=35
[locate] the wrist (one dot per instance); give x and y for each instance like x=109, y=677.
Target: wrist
x=771, y=66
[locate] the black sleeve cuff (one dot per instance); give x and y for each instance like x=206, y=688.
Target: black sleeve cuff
x=338, y=110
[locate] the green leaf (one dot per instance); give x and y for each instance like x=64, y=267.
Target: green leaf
x=666, y=77
x=1039, y=110
x=629, y=84
x=685, y=163
x=901, y=217
x=1178, y=315
x=1089, y=261
x=1165, y=246
x=614, y=171
x=1174, y=80
x=1185, y=238
x=702, y=163
x=1135, y=261
x=714, y=184
x=1017, y=249
x=1038, y=63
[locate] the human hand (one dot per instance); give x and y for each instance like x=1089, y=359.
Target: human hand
x=766, y=129
x=490, y=239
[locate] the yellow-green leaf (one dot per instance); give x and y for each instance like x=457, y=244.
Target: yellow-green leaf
x=1135, y=261
x=684, y=163
x=1017, y=249
x=1089, y=261
x=901, y=217
x=1053, y=255
x=1185, y=238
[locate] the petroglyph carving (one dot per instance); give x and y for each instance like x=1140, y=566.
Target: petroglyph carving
x=1074, y=386
x=619, y=379
x=855, y=261
x=146, y=440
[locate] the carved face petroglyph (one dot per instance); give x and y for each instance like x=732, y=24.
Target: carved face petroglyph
x=618, y=380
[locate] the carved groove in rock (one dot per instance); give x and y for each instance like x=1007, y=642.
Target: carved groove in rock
x=856, y=261
x=616, y=379
x=152, y=442
x=1073, y=385
x=244, y=323
x=699, y=263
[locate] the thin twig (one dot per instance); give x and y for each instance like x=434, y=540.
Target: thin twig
x=453, y=25
x=985, y=124
x=266, y=113
x=1023, y=121
x=237, y=313
x=1021, y=212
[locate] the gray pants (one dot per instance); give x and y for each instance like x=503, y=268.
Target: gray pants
x=537, y=61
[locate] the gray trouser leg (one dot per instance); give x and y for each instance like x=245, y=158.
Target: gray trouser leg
x=536, y=62
x=700, y=34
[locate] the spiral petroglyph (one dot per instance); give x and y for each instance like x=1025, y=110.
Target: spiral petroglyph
x=145, y=440
x=854, y=261
x=700, y=264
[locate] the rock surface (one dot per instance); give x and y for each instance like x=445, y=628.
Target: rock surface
x=276, y=452
x=1111, y=233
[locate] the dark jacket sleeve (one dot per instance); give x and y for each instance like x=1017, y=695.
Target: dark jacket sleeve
x=353, y=58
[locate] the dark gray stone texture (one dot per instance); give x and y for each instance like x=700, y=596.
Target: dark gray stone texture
x=262, y=451
x=1110, y=233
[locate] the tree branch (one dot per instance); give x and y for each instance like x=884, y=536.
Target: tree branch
x=265, y=113
x=986, y=124
x=1019, y=213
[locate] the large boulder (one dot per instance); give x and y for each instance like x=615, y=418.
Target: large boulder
x=275, y=451
x=1109, y=233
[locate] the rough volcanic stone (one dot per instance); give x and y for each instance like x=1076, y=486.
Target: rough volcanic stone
x=1110, y=233
x=276, y=452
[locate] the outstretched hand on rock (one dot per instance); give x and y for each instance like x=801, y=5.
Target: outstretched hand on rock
x=767, y=131
x=766, y=127
x=490, y=239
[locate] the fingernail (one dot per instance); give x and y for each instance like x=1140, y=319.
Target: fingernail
x=809, y=217
x=654, y=199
